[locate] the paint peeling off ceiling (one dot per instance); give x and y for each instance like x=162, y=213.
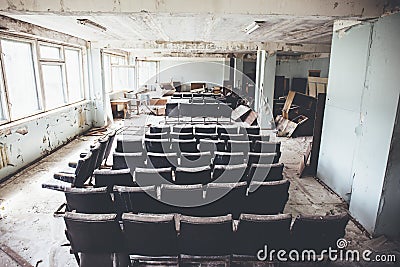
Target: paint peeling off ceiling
x=190, y=27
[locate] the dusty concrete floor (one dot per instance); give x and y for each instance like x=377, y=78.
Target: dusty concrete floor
x=28, y=227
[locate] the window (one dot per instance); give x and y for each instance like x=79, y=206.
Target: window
x=3, y=103
x=73, y=65
x=115, y=77
x=35, y=80
x=147, y=73
x=20, y=73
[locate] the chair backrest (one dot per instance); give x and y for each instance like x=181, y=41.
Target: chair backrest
x=160, y=129
x=182, y=129
x=162, y=160
x=182, y=136
x=272, y=195
x=255, y=137
x=89, y=200
x=255, y=231
x=103, y=142
x=157, y=145
x=211, y=145
x=111, y=137
x=235, y=137
x=255, y=130
x=228, y=158
x=153, y=176
x=318, y=232
x=261, y=158
x=266, y=172
x=82, y=170
x=172, y=110
x=129, y=145
x=223, y=198
x=127, y=160
x=162, y=135
x=208, y=129
x=205, y=236
x=179, y=197
x=186, y=109
x=95, y=150
x=110, y=178
x=193, y=175
x=93, y=233
x=136, y=199
x=195, y=159
x=227, y=129
x=267, y=147
x=239, y=146
x=150, y=234
x=202, y=136
x=211, y=110
x=180, y=145
x=229, y=173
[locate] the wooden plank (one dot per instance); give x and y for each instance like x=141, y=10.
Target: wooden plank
x=318, y=123
x=288, y=103
x=15, y=256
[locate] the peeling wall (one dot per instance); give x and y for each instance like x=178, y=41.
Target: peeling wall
x=299, y=68
x=28, y=140
x=185, y=71
x=363, y=96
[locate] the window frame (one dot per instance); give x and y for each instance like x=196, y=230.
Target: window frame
x=37, y=62
x=112, y=54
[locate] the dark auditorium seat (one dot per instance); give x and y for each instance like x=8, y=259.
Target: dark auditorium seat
x=182, y=136
x=262, y=158
x=180, y=145
x=239, y=146
x=266, y=172
x=182, y=199
x=127, y=160
x=229, y=173
x=129, y=145
x=195, y=159
x=228, y=158
x=160, y=129
x=193, y=175
x=267, y=197
x=91, y=248
x=153, y=176
x=211, y=145
x=136, y=199
x=157, y=145
x=182, y=129
x=223, y=198
x=109, y=178
x=162, y=135
x=207, y=237
x=151, y=238
x=202, y=136
x=162, y=160
x=257, y=137
x=227, y=129
x=254, y=130
x=82, y=173
x=318, y=232
x=253, y=232
x=235, y=137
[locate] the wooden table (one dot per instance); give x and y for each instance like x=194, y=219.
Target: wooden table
x=119, y=102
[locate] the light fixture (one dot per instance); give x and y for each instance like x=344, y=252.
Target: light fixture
x=91, y=24
x=253, y=26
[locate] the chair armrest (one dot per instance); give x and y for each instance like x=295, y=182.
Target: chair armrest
x=60, y=211
x=73, y=164
x=65, y=177
x=55, y=187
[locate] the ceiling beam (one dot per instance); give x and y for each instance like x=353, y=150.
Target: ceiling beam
x=11, y=26
x=332, y=8
x=212, y=47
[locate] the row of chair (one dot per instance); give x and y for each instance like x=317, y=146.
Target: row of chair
x=144, y=175
x=195, y=95
x=173, y=238
x=217, y=110
x=132, y=145
x=213, y=199
x=205, y=128
x=184, y=159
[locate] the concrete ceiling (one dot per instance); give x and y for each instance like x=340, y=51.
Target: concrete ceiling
x=183, y=24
